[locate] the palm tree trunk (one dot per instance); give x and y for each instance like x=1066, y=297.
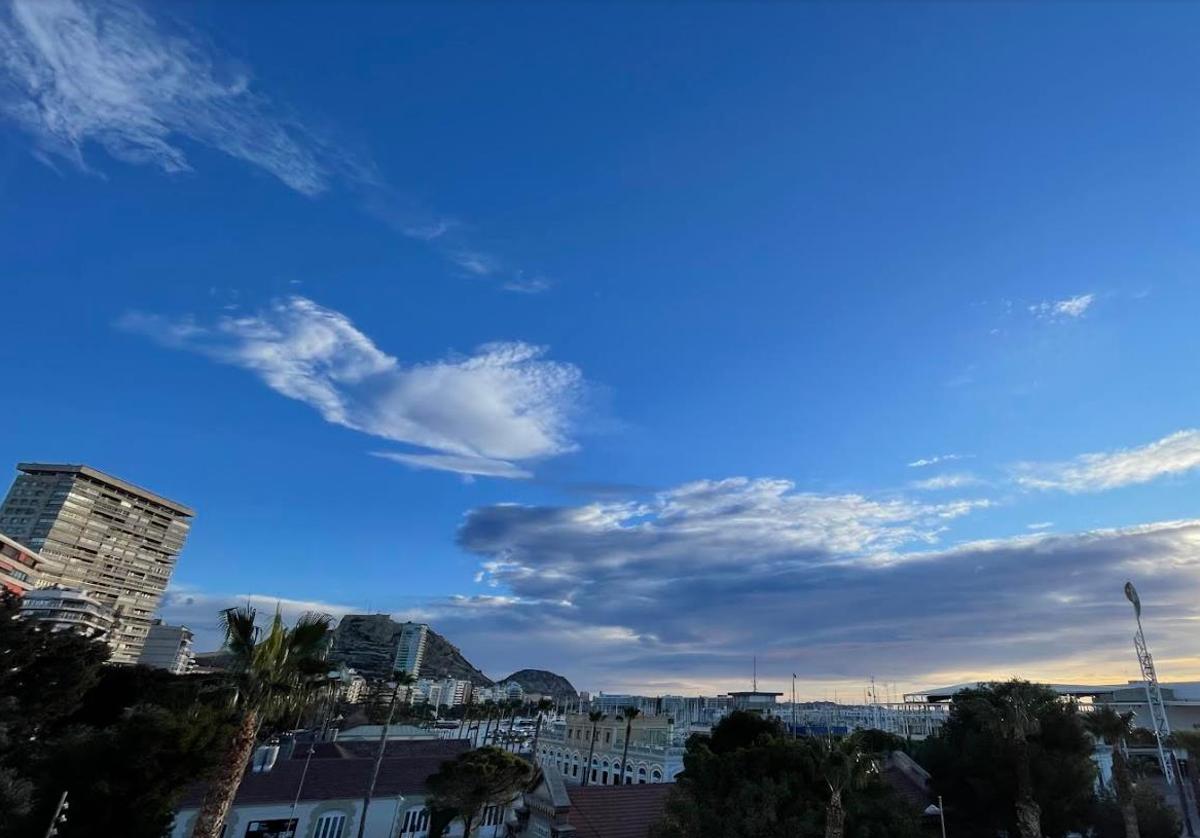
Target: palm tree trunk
x=537, y=733
x=1124, y=790
x=1029, y=813
x=587, y=769
x=625, y=752
x=835, y=816
x=219, y=800
x=467, y=821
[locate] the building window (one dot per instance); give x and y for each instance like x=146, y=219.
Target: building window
x=656, y=776
x=330, y=825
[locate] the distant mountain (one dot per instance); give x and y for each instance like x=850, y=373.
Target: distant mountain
x=444, y=660
x=541, y=681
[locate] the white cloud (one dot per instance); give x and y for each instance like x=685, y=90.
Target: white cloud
x=835, y=587
x=108, y=75
x=940, y=458
x=78, y=75
x=1070, y=308
x=1040, y=525
x=946, y=481
x=478, y=415
x=1174, y=454
x=200, y=610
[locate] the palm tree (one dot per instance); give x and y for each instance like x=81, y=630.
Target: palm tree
x=487, y=707
x=270, y=671
x=1111, y=728
x=631, y=713
x=514, y=705
x=844, y=767
x=1014, y=718
x=595, y=717
x=542, y=708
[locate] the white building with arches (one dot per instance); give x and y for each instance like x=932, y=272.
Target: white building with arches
x=653, y=755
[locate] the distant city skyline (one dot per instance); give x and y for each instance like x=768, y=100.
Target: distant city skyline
x=860, y=339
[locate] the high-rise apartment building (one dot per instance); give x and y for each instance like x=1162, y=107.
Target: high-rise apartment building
x=377, y=646
x=95, y=532
x=411, y=650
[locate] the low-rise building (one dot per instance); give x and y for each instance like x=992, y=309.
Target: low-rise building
x=18, y=566
x=68, y=609
x=290, y=795
x=653, y=756
x=168, y=647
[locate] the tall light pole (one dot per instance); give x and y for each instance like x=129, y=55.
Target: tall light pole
x=795, y=732
x=1158, y=710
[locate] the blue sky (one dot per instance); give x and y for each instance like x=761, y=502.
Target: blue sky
x=605, y=338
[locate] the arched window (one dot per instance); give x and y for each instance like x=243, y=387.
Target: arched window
x=656, y=776
x=330, y=825
x=641, y=774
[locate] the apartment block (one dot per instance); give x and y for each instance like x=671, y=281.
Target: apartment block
x=168, y=647
x=112, y=539
x=18, y=566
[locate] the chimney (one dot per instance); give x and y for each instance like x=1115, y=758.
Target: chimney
x=265, y=757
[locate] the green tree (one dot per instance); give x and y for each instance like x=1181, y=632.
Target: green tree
x=271, y=672
x=1111, y=728
x=1156, y=818
x=1012, y=756
x=748, y=780
x=631, y=713
x=45, y=674
x=126, y=778
x=477, y=779
x=595, y=717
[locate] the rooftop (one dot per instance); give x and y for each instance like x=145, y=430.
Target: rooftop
x=337, y=772
x=617, y=811
x=96, y=474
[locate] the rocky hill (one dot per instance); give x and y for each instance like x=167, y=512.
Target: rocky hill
x=444, y=660
x=541, y=681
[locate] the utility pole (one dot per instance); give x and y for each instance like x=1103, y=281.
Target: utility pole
x=362, y=822
x=1158, y=710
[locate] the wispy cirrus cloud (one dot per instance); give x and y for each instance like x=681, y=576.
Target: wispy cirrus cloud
x=480, y=414
x=77, y=75
x=1070, y=308
x=1174, y=454
x=957, y=480
x=940, y=458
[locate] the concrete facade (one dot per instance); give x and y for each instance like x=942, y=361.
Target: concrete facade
x=653, y=755
x=95, y=532
x=168, y=647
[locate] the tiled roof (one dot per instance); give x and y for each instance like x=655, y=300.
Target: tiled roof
x=617, y=811
x=339, y=774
